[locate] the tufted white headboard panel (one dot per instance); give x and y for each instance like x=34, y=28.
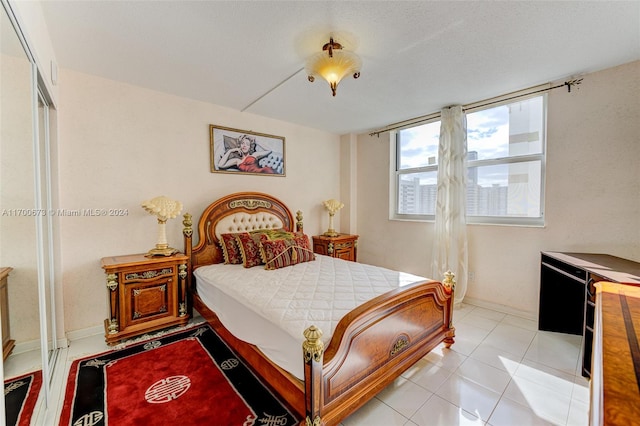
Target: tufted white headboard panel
x=237, y=212
x=245, y=222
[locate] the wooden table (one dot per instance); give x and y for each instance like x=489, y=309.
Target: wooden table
x=615, y=380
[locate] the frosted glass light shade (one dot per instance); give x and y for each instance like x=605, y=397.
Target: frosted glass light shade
x=333, y=68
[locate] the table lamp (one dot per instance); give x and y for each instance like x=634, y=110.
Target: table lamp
x=164, y=209
x=332, y=206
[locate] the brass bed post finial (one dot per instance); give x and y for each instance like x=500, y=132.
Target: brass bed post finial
x=299, y=224
x=449, y=284
x=313, y=347
x=187, y=231
x=449, y=281
x=313, y=350
x=187, y=222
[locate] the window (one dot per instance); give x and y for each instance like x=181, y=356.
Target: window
x=505, y=165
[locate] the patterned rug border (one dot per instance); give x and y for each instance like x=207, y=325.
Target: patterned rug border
x=30, y=398
x=155, y=335
x=261, y=402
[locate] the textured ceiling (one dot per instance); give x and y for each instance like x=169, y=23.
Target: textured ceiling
x=417, y=56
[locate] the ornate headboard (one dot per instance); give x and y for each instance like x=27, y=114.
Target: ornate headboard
x=239, y=212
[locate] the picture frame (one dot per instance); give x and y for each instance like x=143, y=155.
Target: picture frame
x=246, y=152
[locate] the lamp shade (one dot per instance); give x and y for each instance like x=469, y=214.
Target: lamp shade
x=164, y=209
x=333, y=64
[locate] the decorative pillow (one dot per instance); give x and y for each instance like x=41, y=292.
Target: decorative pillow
x=230, y=250
x=249, y=244
x=250, y=250
x=285, y=252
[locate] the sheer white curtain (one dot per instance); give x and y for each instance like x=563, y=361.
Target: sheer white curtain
x=450, y=240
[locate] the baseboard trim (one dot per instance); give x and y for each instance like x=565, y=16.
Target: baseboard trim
x=22, y=347
x=533, y=316
x=85, y=332
x=34, y=345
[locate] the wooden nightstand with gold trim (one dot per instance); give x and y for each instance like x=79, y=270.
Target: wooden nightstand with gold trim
x=343, y=246
x=145, y=294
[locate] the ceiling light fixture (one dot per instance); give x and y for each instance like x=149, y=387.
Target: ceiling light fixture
x=333, y=64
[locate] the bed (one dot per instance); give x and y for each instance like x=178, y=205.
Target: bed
x=365, y=350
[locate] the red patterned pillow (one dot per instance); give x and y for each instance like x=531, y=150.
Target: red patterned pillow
x=250, y=250
x=281, y=253
x=249, y=244
x=230, y=250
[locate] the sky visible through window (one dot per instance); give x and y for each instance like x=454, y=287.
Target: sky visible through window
x=487, y=135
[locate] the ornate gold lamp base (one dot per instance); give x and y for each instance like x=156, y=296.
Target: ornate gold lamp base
x=161, y=251
x=331, y=232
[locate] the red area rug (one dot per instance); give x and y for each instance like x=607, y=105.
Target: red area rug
x=20, y=397
x=187, y=378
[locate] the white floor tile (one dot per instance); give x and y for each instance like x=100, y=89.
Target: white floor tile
x=484, y=375
x=478, y=321
x=496, y=357
x=525, y=323
x=550, y=378
x=469, y=396
x=556, y=350
x=509, y=413
x=468, y=337
x=87, y=346
x=404, y=396
x=438, y=412
x=375, y=413
x=446, y=358
x=488, y=313
x=581, y=391
x=461, y=310
x=516, y=340
x=578, y=414
x=427, y=375
x=22, y=363
x=544, y=402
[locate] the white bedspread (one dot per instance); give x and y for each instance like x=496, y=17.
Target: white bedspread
x=282, y=303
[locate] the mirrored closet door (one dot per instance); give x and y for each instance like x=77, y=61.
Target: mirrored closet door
x=26, y=228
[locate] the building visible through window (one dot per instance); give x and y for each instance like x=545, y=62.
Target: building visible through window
x=505, y=164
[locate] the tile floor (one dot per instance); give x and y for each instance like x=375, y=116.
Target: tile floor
x=500, y=371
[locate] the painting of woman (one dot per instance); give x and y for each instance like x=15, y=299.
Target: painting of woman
x=236, y=151
x=245, y=157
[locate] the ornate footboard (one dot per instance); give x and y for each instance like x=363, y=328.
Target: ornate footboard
x=371, y=346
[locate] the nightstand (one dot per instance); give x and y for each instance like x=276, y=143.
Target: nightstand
x=343, y=246
x=145, y=294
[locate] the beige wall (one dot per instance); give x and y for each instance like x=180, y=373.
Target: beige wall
x=592, y=197
x=121, y=144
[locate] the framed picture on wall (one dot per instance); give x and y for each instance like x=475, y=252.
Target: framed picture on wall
x=246, y=152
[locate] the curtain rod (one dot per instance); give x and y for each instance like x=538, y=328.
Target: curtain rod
x=400, y=124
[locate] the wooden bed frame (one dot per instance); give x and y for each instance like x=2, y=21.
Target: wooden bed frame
x=371, y=346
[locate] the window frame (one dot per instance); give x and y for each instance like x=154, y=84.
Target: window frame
x=396, y=172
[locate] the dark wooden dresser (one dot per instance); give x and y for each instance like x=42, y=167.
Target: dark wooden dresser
x=568, y=296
